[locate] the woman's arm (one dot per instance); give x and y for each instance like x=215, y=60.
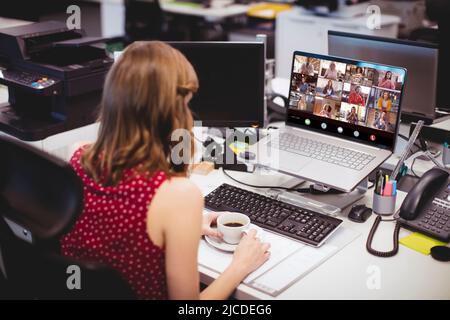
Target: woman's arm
x=179, y=205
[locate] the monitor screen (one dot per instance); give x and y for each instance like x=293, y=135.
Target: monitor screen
x=231, y=78
x=347, y=98
x=420, y=59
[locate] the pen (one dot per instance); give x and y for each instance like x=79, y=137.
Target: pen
x=387, y=192
x=378, y=181
x=394, y=187
x=381, y=185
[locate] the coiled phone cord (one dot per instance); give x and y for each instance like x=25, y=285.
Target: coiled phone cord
x=387, y=254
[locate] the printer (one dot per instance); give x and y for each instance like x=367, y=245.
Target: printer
x=54, y=77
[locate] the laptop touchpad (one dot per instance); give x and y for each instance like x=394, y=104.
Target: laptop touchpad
x=294, y=164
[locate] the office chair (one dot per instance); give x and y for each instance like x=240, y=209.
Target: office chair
x=40, y=199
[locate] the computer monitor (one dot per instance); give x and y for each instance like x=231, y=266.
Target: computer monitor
x=231, y=77
x=420, y=59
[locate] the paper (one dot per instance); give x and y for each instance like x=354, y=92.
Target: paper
x=218, y=261
x=293, y=268
x=289, y=261
x=420, y=243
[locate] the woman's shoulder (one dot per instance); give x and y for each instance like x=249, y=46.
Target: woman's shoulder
x=180, y=189
x=76, y=156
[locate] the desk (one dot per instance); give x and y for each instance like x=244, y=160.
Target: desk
x=408, y=275
x=207, y=13
x=113, y=13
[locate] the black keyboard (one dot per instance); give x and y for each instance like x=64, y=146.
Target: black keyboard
x=298, y=223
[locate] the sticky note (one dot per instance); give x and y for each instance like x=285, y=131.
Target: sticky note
x=238, y=147
x=420, y=243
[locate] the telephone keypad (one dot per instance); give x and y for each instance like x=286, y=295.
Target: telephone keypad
x=436, y=220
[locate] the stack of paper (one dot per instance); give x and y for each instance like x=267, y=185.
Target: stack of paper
x=289, y=261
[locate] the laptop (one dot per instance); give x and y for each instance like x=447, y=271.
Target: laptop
x=341, y=123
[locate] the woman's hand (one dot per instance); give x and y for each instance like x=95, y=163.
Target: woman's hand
x=209, y=219
x=250, y=254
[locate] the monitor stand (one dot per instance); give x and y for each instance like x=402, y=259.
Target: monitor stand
x=327, y=203
x=330, y=204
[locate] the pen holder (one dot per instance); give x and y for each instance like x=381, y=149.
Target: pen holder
x=383, y=205
x=446, y=157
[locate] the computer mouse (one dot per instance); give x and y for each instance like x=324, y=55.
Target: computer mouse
x=359, y=213
x=247, y=155
x=441, y=253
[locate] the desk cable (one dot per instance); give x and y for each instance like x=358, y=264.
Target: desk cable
x=381, y=254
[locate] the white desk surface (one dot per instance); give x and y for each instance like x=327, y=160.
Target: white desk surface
x=186, y=9
x=408, y=275
x=213, y=12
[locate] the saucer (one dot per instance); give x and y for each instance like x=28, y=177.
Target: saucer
x=224, y=246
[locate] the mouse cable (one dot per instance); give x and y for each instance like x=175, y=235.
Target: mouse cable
x=381, y=254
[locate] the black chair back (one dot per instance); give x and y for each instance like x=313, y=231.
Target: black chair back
x=40, y=199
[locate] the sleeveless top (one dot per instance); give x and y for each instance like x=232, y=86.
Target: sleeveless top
x=112, y=230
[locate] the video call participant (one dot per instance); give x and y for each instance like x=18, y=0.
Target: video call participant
x=358, y=75
x=387, y=82
x=328, y=89
x=331, y=72
x=355, y=96
x=384, y=102
x=142, y=216
x=307, y=67
x=352, y=117
x=326, y=111
x=303, y=87
x=380, y=121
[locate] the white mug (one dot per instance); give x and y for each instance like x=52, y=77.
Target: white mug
x=232, y=234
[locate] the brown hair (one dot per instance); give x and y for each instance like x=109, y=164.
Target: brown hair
x=144, y=101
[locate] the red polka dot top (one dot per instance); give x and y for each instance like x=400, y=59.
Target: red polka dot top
x=112, y=230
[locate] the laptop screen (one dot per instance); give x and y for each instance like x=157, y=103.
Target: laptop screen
x=352, y=99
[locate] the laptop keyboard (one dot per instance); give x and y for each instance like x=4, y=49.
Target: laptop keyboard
x=322, y=151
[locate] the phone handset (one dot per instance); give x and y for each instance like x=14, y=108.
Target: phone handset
x=425, y=189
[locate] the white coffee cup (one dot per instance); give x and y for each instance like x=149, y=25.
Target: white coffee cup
x=232, y=234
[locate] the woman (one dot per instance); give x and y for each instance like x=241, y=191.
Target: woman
x=307, y=67
x=301, y=104
x=328, y=89
x=355, y=96
x=387, y=82
x=141, y=215
x=384, y=102
x=352, y=117
x=358, y=75
x=331, y=72
x=303, y=86
x=380, y=121
x=326, y=111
